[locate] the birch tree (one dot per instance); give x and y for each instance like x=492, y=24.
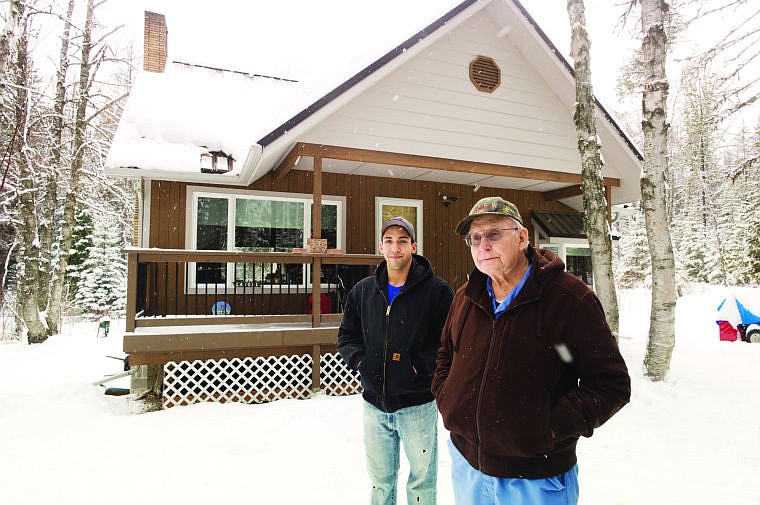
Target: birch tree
x=51, y=174
x=654, y=125
x=24, y=196
x=8, y=34
x=60, y=147
x=595, y=221
x=55, y=312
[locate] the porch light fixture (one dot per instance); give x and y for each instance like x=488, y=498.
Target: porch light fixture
x=216, y=162
x=206, y=163
x=448, y=200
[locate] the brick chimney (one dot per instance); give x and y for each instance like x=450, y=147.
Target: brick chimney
x=154, y=46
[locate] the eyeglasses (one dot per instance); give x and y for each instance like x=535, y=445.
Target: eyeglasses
x=492, y=236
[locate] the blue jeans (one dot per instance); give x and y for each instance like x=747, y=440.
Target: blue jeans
x=472, y=487
x=417, y=428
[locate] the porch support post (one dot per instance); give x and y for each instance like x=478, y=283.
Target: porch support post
x=131, y=292
x=316, y=291
x=316, y=358
x=316, y=209
x=316, y=232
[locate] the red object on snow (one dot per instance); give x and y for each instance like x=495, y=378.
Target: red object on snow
x=727, y=332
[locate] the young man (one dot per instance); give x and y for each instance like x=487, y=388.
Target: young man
x=527, y=365
x=390, y=332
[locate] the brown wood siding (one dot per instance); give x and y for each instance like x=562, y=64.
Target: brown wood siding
x=449, y=256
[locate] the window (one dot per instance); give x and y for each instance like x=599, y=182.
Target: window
x=268, y=225
x=211, y=233
x=411, y=210
x=256, y=222
x=576, y=257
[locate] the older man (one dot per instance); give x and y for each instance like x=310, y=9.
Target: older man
x=527, y=365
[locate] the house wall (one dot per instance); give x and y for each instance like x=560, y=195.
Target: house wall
x=428, y=106
x=449, y=256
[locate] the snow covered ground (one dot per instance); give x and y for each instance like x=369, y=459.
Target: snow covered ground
x=692, y=439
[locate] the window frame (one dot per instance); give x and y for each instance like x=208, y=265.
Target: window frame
x=231, y=195
x=382, y=201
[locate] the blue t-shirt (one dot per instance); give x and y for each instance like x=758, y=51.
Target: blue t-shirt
x=392, y=292
x=498, y=308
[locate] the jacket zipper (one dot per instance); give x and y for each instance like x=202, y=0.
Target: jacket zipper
x=485, y=370
x=387, y=338
x=385, y=349
x=480, y=392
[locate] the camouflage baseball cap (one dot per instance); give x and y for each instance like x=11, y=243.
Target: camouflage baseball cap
x=489, y=206
x=400, y=222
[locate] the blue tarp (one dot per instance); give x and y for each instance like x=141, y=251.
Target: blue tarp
x=731, y=309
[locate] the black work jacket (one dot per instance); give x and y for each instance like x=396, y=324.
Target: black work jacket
x=395, y=344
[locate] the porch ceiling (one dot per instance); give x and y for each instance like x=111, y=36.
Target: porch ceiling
x=424, y=174
x=365, y=162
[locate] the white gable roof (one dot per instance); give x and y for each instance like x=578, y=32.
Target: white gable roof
x=416, y=99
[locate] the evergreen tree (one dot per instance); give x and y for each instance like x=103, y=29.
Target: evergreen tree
x=103, y=280
x=742, y=214
x=635, y=264
x=699, y=239
x=81, y=244
x=753, y=251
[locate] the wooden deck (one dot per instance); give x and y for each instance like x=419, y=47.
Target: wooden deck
x=176, y=334
x=159, y=344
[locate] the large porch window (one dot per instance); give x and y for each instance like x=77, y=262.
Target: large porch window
x=256, y=222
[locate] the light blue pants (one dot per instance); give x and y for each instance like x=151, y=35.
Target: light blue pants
x=472, y=487
x=417, y=428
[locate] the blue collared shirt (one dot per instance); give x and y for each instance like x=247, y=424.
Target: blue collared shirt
x=498, y=308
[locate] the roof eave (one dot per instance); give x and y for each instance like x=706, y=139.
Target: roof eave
x=233, y=179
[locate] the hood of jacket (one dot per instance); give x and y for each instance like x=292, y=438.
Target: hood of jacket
x=419, y=270
x=546, y=265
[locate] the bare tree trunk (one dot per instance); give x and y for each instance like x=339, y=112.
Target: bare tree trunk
x=595, y=220
x=25, y=220
x=8, y=35
x=654, y=125
x=55, y=312
x=47, y=206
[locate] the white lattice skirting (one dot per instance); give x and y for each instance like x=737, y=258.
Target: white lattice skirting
x=254, y=380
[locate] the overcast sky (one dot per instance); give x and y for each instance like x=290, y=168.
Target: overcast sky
x=214, y=27
x=225, y=32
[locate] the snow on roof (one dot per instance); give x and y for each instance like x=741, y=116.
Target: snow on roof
x=174, y=116
x=171, y=118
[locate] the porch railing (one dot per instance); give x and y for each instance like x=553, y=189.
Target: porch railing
x=240, y=326
x=182, y=287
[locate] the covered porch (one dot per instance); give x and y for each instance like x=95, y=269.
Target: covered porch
x=245, y=332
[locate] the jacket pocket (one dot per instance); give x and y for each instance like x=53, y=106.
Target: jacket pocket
x=516, y=423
